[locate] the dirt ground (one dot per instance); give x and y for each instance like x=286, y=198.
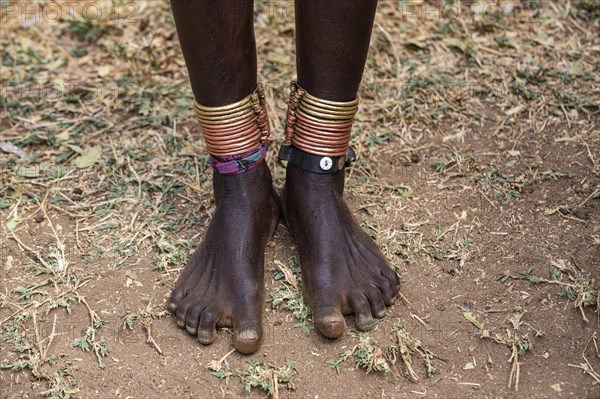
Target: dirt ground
x=478, y=175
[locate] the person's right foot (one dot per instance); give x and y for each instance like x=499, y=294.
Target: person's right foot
x=343, y=270
x=222, y=284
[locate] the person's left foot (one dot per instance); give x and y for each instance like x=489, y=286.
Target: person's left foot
x=343, y=270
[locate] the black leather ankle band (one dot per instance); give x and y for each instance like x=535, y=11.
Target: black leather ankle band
x=321, y=164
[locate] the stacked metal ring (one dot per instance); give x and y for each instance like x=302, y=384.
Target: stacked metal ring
x=235, y=128
x=318, y=126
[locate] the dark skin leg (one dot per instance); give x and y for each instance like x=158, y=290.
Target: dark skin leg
x=343, y=270
x=222, y=284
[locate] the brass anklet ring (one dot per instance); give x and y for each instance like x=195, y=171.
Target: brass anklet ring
x=224, y=108
x=318, y=132
x=236, y=128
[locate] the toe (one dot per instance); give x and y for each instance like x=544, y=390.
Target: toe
x=330, y=322
x=393, y=277
x=177, y=295
x=193, y=317
x=388, y=290
x=207, y=327
x=247, y=324
x=362, y=312
x=378, y=261
x=182, y=310
x=386, y=271
x=247, y=337
x=376, y=302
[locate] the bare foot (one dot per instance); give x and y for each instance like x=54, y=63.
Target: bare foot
x=222, y=284
x=343, y=270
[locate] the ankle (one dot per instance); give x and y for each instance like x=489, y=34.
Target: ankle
x=303, y=183
x=243, y=190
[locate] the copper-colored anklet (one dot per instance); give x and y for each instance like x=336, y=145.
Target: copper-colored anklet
x=317, y=133
x=237, y=134
x=235, y=128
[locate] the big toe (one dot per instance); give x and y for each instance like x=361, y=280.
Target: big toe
x=330, y=322
x=247, y=338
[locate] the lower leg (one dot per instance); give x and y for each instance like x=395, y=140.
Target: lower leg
x=332, y=42
x=222, y=284
x=344, y=272
x=217, y=41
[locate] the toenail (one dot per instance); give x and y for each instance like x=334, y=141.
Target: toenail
x=331, y=320
x=330, y=325
x=192, y=330
x=206, y=338
x=248, y=335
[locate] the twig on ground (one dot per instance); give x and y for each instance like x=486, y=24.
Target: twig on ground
x=147, y=323
x=587, y=367
x=217, y=365
x=515, y=370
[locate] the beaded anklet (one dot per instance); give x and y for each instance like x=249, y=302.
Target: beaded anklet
x=236, y=164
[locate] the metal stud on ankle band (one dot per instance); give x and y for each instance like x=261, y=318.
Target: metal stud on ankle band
x=316, y=163
x=325, y=163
